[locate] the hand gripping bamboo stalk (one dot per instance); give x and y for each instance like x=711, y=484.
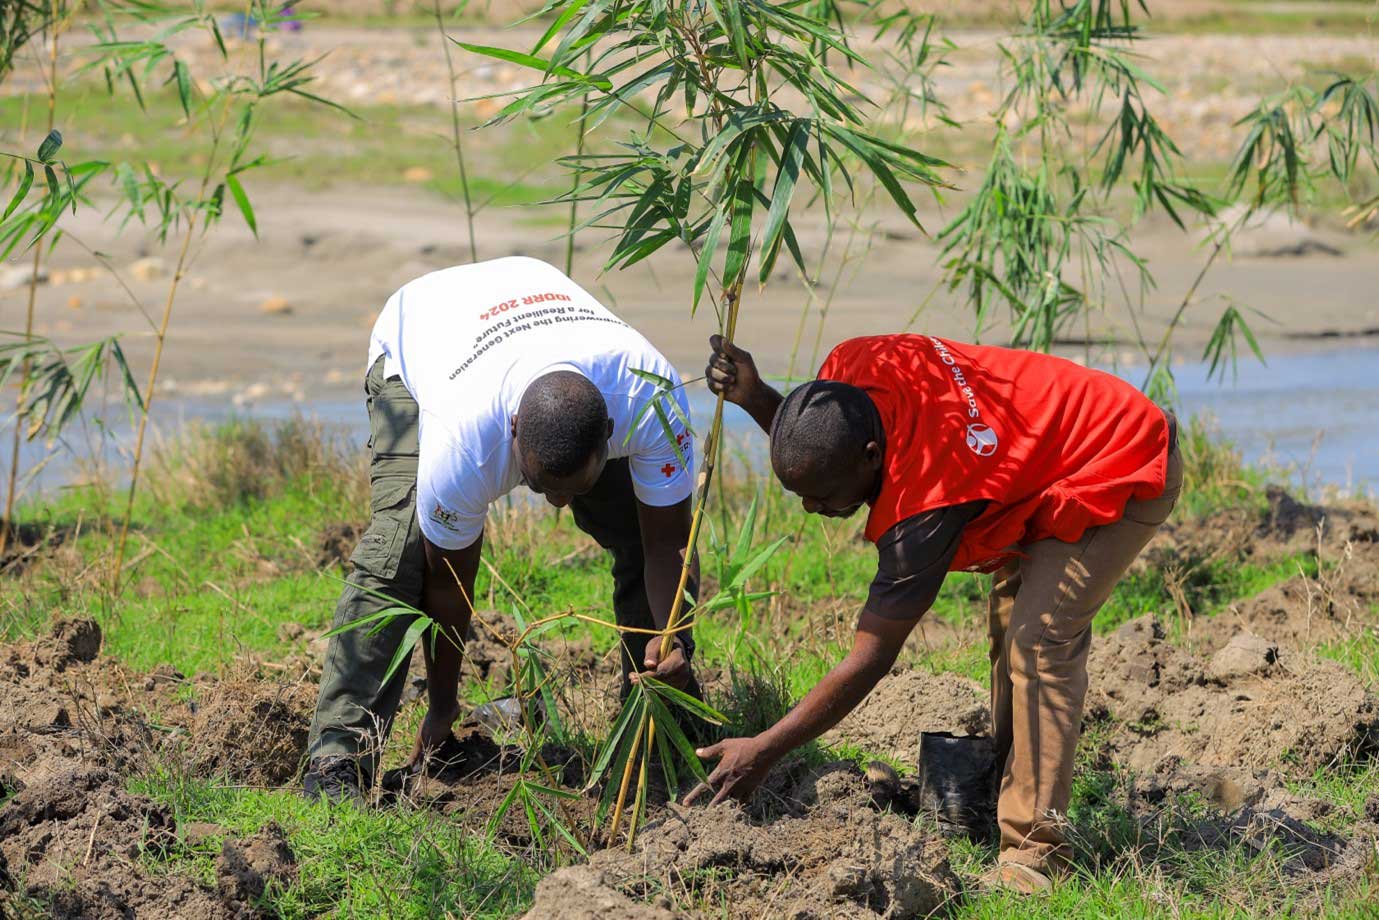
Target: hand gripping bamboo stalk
x=712, y=444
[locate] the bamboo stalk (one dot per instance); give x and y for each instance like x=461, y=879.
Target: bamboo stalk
x=627, y=774
x=455, y=131
x=161, y=338
x=673, y=625
x=5, y=531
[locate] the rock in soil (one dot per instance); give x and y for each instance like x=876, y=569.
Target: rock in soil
x=582, y=893
x=843, y=857
x=1299, y=714
x=1244, y=655
x=910, y=701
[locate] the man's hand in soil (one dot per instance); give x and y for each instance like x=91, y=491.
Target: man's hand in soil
x=674, y=669
x=742, y=764
x=732, y=374
x=435, y=729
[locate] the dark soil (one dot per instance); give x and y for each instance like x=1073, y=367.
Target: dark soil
x=831, y=852
x=27, y=542
x=79, y=841
x=1286, y=527
x=76, y=725
x=236, y=717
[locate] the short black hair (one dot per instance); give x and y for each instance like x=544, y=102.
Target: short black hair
x=561, y=421
x=821, y=428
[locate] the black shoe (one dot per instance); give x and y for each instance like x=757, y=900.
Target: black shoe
x=335, y=779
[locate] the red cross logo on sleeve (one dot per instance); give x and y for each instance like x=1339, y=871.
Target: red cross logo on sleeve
x=668, y=470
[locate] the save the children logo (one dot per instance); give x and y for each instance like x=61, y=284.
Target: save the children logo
x=981, y=439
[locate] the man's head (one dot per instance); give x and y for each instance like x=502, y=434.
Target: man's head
x=560, y=434
x=827, y=446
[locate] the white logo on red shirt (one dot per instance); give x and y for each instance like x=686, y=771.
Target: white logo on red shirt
x=981, y=439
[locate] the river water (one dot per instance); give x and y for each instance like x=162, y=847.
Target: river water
x=1311, y=416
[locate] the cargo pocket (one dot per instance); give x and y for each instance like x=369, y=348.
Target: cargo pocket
x=392, y=508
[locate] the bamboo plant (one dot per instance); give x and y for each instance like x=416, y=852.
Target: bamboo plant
x=734, y=107
x=221, y=111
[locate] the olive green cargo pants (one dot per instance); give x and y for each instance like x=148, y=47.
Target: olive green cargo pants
x=354, y=711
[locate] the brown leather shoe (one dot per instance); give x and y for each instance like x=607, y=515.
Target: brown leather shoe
x=1010, y=876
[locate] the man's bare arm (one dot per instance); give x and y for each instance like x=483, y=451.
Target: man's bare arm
x=744, y=762
x=447, y=588
x=665, y=532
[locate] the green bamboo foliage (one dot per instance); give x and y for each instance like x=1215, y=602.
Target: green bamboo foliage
x=222, y=112
x=1040, y=238
x=741, y=111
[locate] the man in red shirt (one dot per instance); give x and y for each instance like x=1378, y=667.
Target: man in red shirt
x=1048, y=474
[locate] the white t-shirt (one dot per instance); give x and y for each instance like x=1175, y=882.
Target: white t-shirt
x=468, y=340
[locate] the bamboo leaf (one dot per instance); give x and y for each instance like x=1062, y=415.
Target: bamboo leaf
x=242, y=200
x=25, y=183
x=404, y=648
x=684, y=700
x=615, y=735
x=50, y=146
x=792, y=156
x=739, y=233
x=535, y=63
x=706, y=253
x=184, y=86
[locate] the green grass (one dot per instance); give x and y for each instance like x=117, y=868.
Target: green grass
x=1360, y=653
x=224, y=554
x=315, y=147
x=397, y=862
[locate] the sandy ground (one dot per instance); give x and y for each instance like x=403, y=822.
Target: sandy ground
x=289, y=314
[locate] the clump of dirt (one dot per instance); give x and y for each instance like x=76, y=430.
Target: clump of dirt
x=842, y=855
x=63, y=708
x=250, y=731
x=69, y=642
x=29, y=541
x=245, y=868
x=910, y=701
x=1282, y=710
x=77, y=840
x=582, y=893
x=80, y=843
x=336, y=542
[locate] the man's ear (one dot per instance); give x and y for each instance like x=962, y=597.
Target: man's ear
x=608, y=429
x=874, y=455
x=513, y=427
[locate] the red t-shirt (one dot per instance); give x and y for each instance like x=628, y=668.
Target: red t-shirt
x=1055, y=447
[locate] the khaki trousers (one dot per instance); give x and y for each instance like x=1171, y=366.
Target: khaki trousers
x=1040, y=618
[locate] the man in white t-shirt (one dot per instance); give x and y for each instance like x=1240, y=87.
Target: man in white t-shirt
x=481, y=378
